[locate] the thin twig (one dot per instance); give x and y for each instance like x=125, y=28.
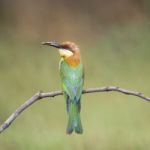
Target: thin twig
x=41, y=95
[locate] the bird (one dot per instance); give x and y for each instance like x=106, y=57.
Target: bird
x=72, y=80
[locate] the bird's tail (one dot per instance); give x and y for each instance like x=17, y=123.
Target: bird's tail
x=74, y=121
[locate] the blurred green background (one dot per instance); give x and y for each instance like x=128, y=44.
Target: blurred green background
x=114, y=38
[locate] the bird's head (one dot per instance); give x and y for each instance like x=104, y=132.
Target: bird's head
x=66, y=49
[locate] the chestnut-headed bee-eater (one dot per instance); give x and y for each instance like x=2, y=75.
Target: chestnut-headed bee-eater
x=72, y=79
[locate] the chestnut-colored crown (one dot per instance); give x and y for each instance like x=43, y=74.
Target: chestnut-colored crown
x=70, y=46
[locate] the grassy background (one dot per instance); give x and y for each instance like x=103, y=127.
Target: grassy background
x=119, y=57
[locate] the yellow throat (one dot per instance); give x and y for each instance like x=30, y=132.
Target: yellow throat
x=65, y=53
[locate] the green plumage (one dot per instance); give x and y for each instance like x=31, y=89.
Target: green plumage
x=72, y=85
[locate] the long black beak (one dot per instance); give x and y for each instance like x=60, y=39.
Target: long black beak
x=53, y=43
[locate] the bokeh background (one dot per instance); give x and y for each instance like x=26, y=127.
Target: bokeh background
x=114, y=38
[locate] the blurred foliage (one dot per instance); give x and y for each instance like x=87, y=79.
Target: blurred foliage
x=114, y=41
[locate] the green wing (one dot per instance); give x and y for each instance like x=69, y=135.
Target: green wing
x=72, y=80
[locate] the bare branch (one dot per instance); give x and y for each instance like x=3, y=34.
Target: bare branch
x=117, y=89
x=40, y=95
